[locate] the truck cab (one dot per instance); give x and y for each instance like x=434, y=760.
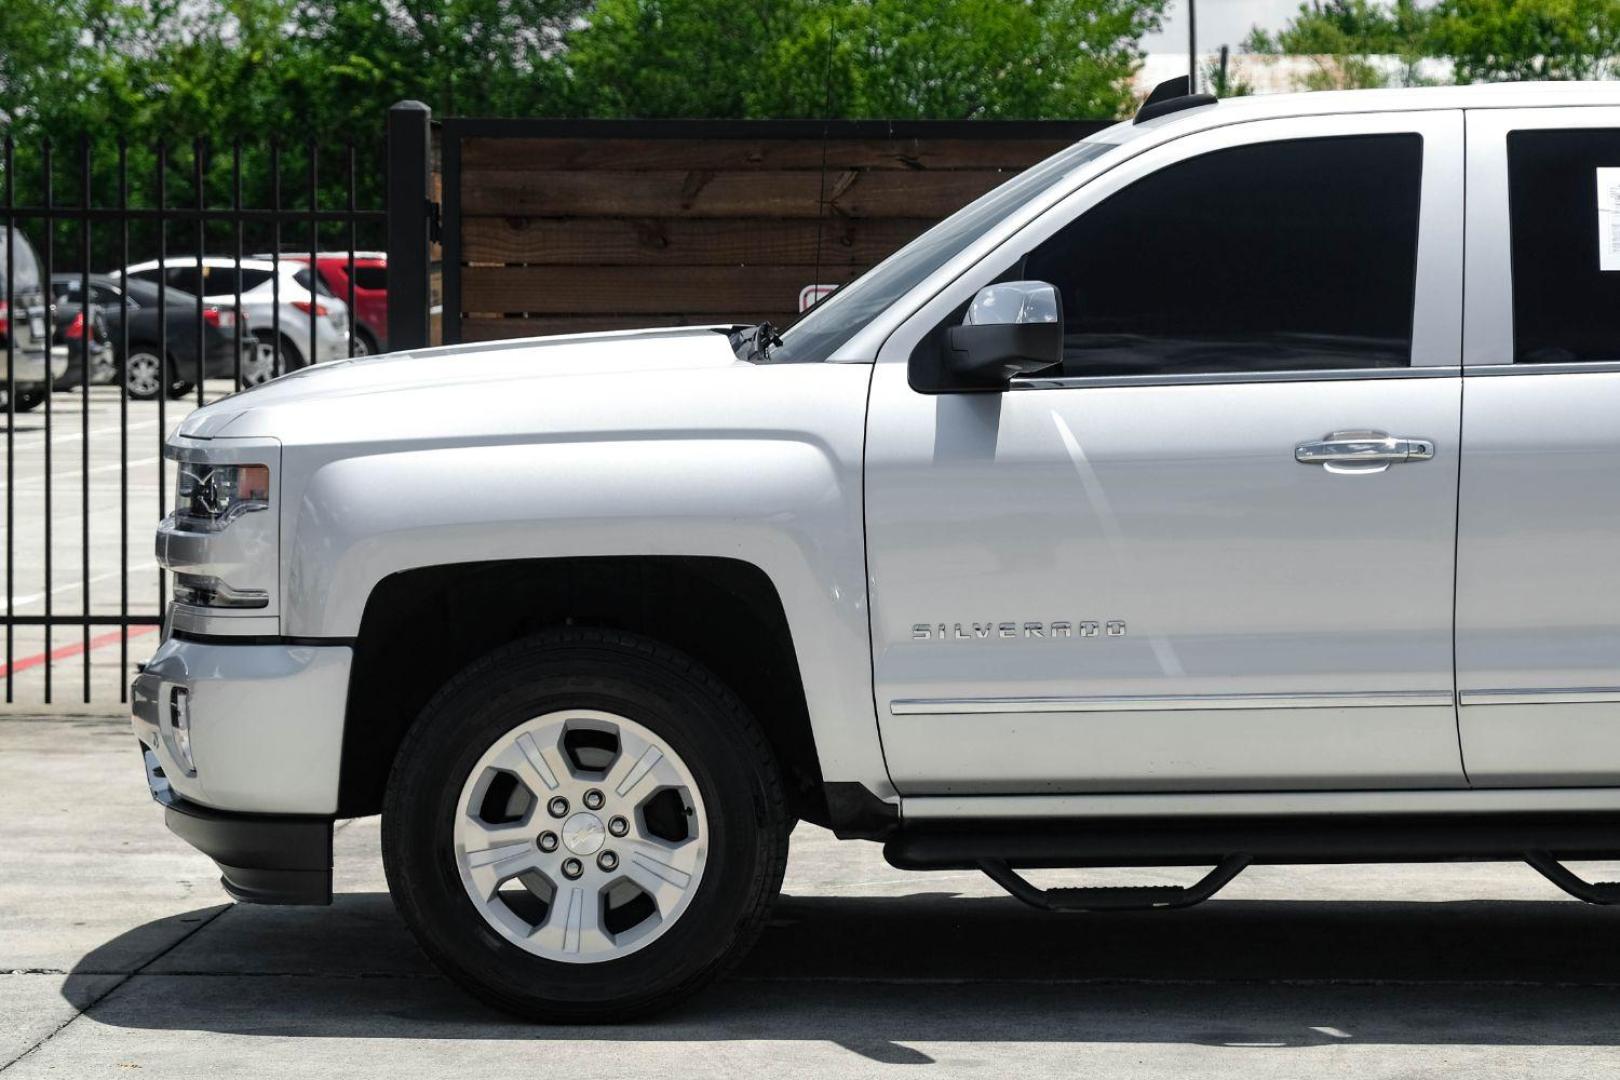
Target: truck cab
x=1237, y=486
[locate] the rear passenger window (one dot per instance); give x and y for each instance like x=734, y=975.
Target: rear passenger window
x=371, y=277
x=1566, y=244
x=1279, y=256
x=186, y=279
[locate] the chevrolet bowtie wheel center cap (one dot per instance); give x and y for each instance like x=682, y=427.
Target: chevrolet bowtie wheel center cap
x=583, y=833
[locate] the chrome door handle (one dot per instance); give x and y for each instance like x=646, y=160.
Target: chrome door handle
x=1362, y=451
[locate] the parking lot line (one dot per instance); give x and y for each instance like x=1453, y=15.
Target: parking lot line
x=74, y=649
x=34, y=598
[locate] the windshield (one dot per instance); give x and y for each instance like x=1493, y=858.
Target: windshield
x=828, y=325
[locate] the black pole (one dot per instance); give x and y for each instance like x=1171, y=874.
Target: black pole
x=410, y=166
x=1192, y=46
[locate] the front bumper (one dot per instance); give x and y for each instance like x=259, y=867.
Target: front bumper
x=265, y=723
x=265, y=726
x=262, y=858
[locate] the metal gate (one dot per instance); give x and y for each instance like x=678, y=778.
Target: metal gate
x=97, y=244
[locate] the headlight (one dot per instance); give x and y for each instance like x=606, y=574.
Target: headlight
x=210, y=497
x=223, y=553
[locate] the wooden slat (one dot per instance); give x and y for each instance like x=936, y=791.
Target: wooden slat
x=684, y=242
x=486, y=329
x=722, y=194
x=641, y=155
x=628, y=290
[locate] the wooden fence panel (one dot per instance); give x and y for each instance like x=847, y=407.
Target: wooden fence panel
x=565, y=227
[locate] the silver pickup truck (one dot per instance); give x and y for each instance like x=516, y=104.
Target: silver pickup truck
x=1238, y=486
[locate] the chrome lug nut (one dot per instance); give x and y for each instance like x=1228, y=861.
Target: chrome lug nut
x=593, y=800
x=571, y=868
x=607, y=861
x=618, y=826
x=548, y=841
x=558, y=807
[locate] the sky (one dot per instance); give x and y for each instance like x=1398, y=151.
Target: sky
x=1220, y=22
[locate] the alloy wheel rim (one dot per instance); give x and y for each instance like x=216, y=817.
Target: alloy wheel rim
x=141, y=373
x=261, y=367
x=580, y=836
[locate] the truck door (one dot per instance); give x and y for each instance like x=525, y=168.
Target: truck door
x=1538, y=581
x=1158, y=569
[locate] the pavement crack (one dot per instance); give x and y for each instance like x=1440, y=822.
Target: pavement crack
x=115, y=987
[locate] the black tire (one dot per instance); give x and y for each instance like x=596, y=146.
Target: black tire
x=659, y=688
x=29, y=400
x=180, y=388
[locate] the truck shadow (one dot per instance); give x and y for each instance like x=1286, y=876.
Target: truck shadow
x=876, y=974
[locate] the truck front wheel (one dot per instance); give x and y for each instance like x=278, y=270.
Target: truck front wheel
x=584, y=825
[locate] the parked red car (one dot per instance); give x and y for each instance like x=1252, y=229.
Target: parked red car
x=369, y=309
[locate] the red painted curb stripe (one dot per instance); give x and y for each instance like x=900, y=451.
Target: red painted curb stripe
x=72, y=650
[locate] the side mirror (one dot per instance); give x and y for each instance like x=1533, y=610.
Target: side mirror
x=1011, y=329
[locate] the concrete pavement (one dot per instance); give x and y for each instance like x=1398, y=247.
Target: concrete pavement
x=118, y=952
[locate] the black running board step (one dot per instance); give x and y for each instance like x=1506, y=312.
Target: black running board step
x=1593, y=892
x=1117, y=898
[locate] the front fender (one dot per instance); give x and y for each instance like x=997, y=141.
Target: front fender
x=780, y=489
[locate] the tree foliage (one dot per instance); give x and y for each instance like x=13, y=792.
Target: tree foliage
x=949, y=59
x=1340, y=35
x=1527, y=39
x=1485, y=40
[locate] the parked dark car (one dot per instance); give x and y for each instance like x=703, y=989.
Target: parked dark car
x=138, y=302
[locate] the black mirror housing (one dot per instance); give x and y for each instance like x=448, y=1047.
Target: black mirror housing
x=989, y=356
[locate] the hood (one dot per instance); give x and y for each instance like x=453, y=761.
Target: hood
x=483, y=369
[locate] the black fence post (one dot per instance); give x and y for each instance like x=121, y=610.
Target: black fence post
x=410, y=154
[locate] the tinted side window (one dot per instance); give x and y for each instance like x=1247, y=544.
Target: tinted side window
x=314, y=284
x=1280, y=256
x=371, y=277
x=186, y=278
x=1566, y=254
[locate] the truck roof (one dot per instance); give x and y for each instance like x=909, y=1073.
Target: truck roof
x=1320, y=103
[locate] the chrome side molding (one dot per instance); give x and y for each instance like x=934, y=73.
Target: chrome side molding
x=1551, y=695
x=1167, y=702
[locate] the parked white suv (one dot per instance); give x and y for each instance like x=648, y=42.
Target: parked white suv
x=268, y=288
x=1240, y=485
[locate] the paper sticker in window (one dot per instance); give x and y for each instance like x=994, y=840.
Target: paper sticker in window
x=1608, y=217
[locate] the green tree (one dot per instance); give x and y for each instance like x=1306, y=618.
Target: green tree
x=1490, y=40
x=949, y=59
x=1340, y=36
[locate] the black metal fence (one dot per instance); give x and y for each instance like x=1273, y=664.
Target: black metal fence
x=99, y=244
